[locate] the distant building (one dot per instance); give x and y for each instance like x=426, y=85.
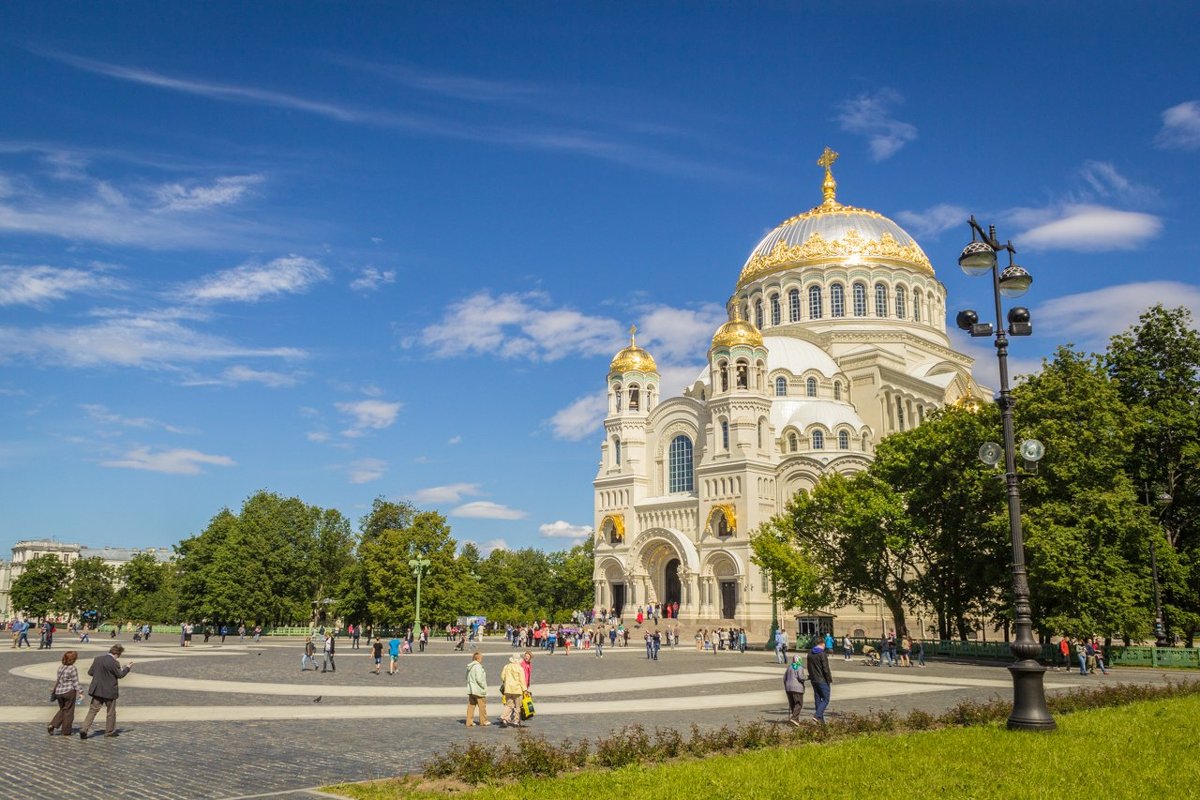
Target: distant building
x=28, y=549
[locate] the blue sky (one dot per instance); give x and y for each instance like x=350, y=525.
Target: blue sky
x=341, y=251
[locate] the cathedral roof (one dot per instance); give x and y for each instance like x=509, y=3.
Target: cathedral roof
x=737, y=331
x=802, y=412
x=632, y=358
x=833, y=234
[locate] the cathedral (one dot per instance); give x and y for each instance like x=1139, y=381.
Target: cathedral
x=836, y=338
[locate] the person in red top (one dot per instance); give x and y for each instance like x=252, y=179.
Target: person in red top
x=1064, y=648
x=527, y=665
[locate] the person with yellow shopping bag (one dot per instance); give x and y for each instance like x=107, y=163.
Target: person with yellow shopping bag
x=512, y=688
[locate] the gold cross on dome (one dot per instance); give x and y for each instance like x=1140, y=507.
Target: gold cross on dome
x=632, y=335
x=827, y=158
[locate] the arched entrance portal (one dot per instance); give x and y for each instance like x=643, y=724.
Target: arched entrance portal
x=672, y=592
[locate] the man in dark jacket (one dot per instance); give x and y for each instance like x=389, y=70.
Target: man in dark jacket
x=105, y=670
x=820, y=678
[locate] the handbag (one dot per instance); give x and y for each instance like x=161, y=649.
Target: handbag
x=527, y=710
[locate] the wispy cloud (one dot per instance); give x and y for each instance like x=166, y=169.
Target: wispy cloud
x=451, y=493
x=368, y=415
x=1180, y=127
x=453, y=440
x=933, y=221
x=240, y=373
x=366, y=470
x=171, y=462
x=39, y=285
x=101, y=413
x=565, y=530
x=870, y=115
x=252, y=282
x=486, y=548
x=1085, y=228
x=485, y=509
x=517, y=325
x=1103, y=180
x=223, y=192
x=581, y=418
x=369, y=279
x=1090, y=318
x=128, y=340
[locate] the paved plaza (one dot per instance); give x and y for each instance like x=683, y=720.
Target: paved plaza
x=241, y=720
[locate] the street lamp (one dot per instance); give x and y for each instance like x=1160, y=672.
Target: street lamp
x=978, y=258
x=419, y=566
x=1160, y=630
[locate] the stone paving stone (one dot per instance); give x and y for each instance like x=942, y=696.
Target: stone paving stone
x=224, y=760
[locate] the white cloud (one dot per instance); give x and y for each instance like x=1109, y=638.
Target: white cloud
x=454, y=440
x=243, y=374
x=513, y=325
x=870, y=115
x=673, y=334
x=252, y=282
x=1090, y=318
x=223, y=192
x=130, y=340
x=172, y=462
x=451, y=493
x=581, y=418
x=561, y=529
x=1087, y=228
x=368, y=415
x=1181, y=126
x=317, y=436
x=38, y=285
x=933, y=221
x=1102, y=179
x=101, y=413
x=369, y=279
x=486, y=548
x=485, y=509
x=366, y=470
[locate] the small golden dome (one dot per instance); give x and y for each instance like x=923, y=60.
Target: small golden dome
x=737, y=331
x=632, y=358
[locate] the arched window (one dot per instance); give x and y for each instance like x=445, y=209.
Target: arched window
x=818, y=440
x=901, y=302
x=864, y=443
x=843, y=440
x=810, y=387
x=860, y=299
x=724, y=368
x=724, y=434
x=794, y=305
x=814, y=302
x=837, y=300
x=618, y=394
x=758, y=314
x=880, y=300
x=679, y=468
x=917, y=298
x=775, y=309
x=634, y=398
x=900, y=412
x=762, y=432
x=781, y=386
x=617, y=450
x=837, y=390
x=743, y=375
x=793, y=442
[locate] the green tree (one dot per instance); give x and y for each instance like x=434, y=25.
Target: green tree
x=859, y=533
x=1156, y=366
x=956, y=506
x=391, y=585
x=1086, y=534
x=149, y=590
x=91, y=588
x=796, y=578
x=42, y=586
x=573, y=587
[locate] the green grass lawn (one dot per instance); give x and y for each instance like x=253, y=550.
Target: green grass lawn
x=1149, y=749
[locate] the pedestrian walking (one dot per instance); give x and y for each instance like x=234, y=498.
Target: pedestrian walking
x=67, y=689
x=821, y=679
x=513, y=688
x=328, y=665
x=793, y=683
x=309, y=657
x=527, y=666
x=393, y=653
x=106, y=671
x=847, y=648
x=377, y=653
x=476, y=690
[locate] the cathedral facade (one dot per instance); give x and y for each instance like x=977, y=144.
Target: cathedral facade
x=836, y=338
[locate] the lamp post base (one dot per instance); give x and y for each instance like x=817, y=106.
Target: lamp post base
x=1029, y=698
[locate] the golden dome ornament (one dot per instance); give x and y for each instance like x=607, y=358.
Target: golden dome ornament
x=737, y=330
x=632, y=358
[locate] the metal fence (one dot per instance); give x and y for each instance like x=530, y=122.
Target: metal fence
x=1117, y=655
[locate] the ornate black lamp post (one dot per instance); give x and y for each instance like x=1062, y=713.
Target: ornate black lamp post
x=419, y=567
x=978, y=258
x=1160, y=630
